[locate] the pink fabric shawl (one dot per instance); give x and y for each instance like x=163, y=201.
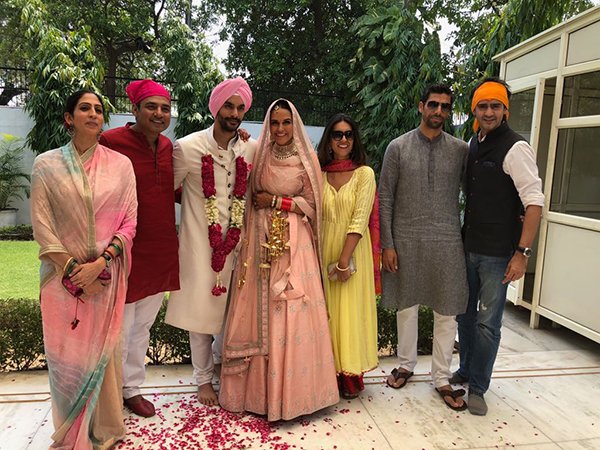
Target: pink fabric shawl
x=78, y=204
x=246, y=329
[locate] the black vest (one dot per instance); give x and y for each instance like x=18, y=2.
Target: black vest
x=493, y=212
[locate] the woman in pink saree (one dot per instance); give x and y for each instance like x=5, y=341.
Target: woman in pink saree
x=83, y=210
x=277, y=355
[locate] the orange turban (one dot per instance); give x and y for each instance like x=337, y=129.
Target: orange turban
x=490, y=90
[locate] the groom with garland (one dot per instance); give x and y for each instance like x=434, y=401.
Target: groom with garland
x=213, y=166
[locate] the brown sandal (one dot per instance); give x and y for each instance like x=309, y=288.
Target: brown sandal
x=398, y=374
x=454, y=394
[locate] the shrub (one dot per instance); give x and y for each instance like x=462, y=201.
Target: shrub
x=16, y=233
x=387, y=333
x=22, y=342
x=21, y=338
x=168, y=344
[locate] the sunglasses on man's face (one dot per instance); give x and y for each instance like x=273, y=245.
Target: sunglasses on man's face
x=338, y=135
x=433, y=105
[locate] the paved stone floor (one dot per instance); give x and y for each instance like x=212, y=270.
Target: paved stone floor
x=545, y=394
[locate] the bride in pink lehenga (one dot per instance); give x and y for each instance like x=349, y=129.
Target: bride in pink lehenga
x=277, y=356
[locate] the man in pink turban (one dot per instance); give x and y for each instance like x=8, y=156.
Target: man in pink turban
x=155, y=264
x=207, y=162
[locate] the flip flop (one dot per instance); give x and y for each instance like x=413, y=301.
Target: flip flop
x=452, y=393
x=398, y=374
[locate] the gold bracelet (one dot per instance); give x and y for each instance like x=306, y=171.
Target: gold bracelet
x=273, y=201
x=337, y=266
x=66, y=266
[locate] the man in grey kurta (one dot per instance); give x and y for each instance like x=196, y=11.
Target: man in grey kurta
x=423, y=257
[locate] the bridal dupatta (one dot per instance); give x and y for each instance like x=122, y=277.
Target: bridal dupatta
x=78, y=204
x=243, y=341
x=276, y=326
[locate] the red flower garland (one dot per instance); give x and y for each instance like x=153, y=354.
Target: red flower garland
x=221, y=247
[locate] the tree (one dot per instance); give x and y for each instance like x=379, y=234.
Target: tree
x=125, y=36
x=397, y=57
x=193, y=72
x=61, y=63
x=303, y=46
x=486, y=28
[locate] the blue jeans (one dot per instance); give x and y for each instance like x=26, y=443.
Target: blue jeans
x=479, y=327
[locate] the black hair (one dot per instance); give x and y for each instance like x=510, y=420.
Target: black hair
x=358, y=154
x=437, y=89
x=281, y=103
x=74, y=98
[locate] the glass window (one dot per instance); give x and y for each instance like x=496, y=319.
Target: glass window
x=576, y=183
x=521, y=112
x=581, y=95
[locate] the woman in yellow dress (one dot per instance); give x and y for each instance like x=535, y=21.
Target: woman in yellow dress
x=349, y=222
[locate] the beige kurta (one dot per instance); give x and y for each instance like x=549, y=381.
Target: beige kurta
x=193, y=307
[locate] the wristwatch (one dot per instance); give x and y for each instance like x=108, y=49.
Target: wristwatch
x=108, y=258
x=527, y=252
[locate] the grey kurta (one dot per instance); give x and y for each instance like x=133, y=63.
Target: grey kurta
x=418, y=203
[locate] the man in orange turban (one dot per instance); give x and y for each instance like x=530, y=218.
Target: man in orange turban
x=502, y=185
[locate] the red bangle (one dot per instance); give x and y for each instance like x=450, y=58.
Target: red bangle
x=286, y=203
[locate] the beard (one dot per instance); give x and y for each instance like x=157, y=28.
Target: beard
x=435, y=125
x=226, y=123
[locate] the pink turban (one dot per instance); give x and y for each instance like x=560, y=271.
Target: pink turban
x=140, y=89
x=227, y=88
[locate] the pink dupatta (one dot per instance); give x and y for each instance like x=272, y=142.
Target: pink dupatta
x=246, y=330
x=78, y=204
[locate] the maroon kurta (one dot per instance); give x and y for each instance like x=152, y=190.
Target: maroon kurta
x=155, y=264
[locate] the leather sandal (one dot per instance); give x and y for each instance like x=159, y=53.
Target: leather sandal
x=399, y=374
x=454, y=394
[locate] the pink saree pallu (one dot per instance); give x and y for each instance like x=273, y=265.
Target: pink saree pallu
x=78, y=205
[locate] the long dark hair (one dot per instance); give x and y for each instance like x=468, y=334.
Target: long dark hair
x=358, y=155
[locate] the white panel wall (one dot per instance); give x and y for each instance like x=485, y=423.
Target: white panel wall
x=570, y=281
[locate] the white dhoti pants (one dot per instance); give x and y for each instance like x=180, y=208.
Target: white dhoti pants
x=444, y=334
x=205, y=354
x=138, y=318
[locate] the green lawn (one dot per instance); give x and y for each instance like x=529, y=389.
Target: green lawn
x=19, y=269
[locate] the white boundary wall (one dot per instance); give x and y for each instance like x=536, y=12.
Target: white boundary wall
x=17, y=122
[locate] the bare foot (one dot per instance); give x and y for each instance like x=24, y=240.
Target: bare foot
x=207, y=395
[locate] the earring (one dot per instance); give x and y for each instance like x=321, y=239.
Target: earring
x=69, y=127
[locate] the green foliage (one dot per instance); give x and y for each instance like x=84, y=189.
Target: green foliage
x=61, y=63
x=16, y=233
x=486, y=29
x=19, y=269
x=303, y=46
x=21, y=338
x=192, y=69
x=397, y=57
x=387, y=331
x=12, y=177
x=168, y=344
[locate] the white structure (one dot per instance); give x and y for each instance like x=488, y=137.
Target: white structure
x=555, y=79
x=16, y=122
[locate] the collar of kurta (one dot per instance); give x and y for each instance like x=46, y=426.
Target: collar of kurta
x=235, y=144
x=426, y=139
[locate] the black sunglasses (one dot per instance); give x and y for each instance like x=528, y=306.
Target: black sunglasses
x=433, y=105
x=338, y=135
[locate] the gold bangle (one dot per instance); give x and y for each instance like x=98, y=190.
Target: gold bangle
x=273, y=201
x=66, y=266
x=337, y=266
